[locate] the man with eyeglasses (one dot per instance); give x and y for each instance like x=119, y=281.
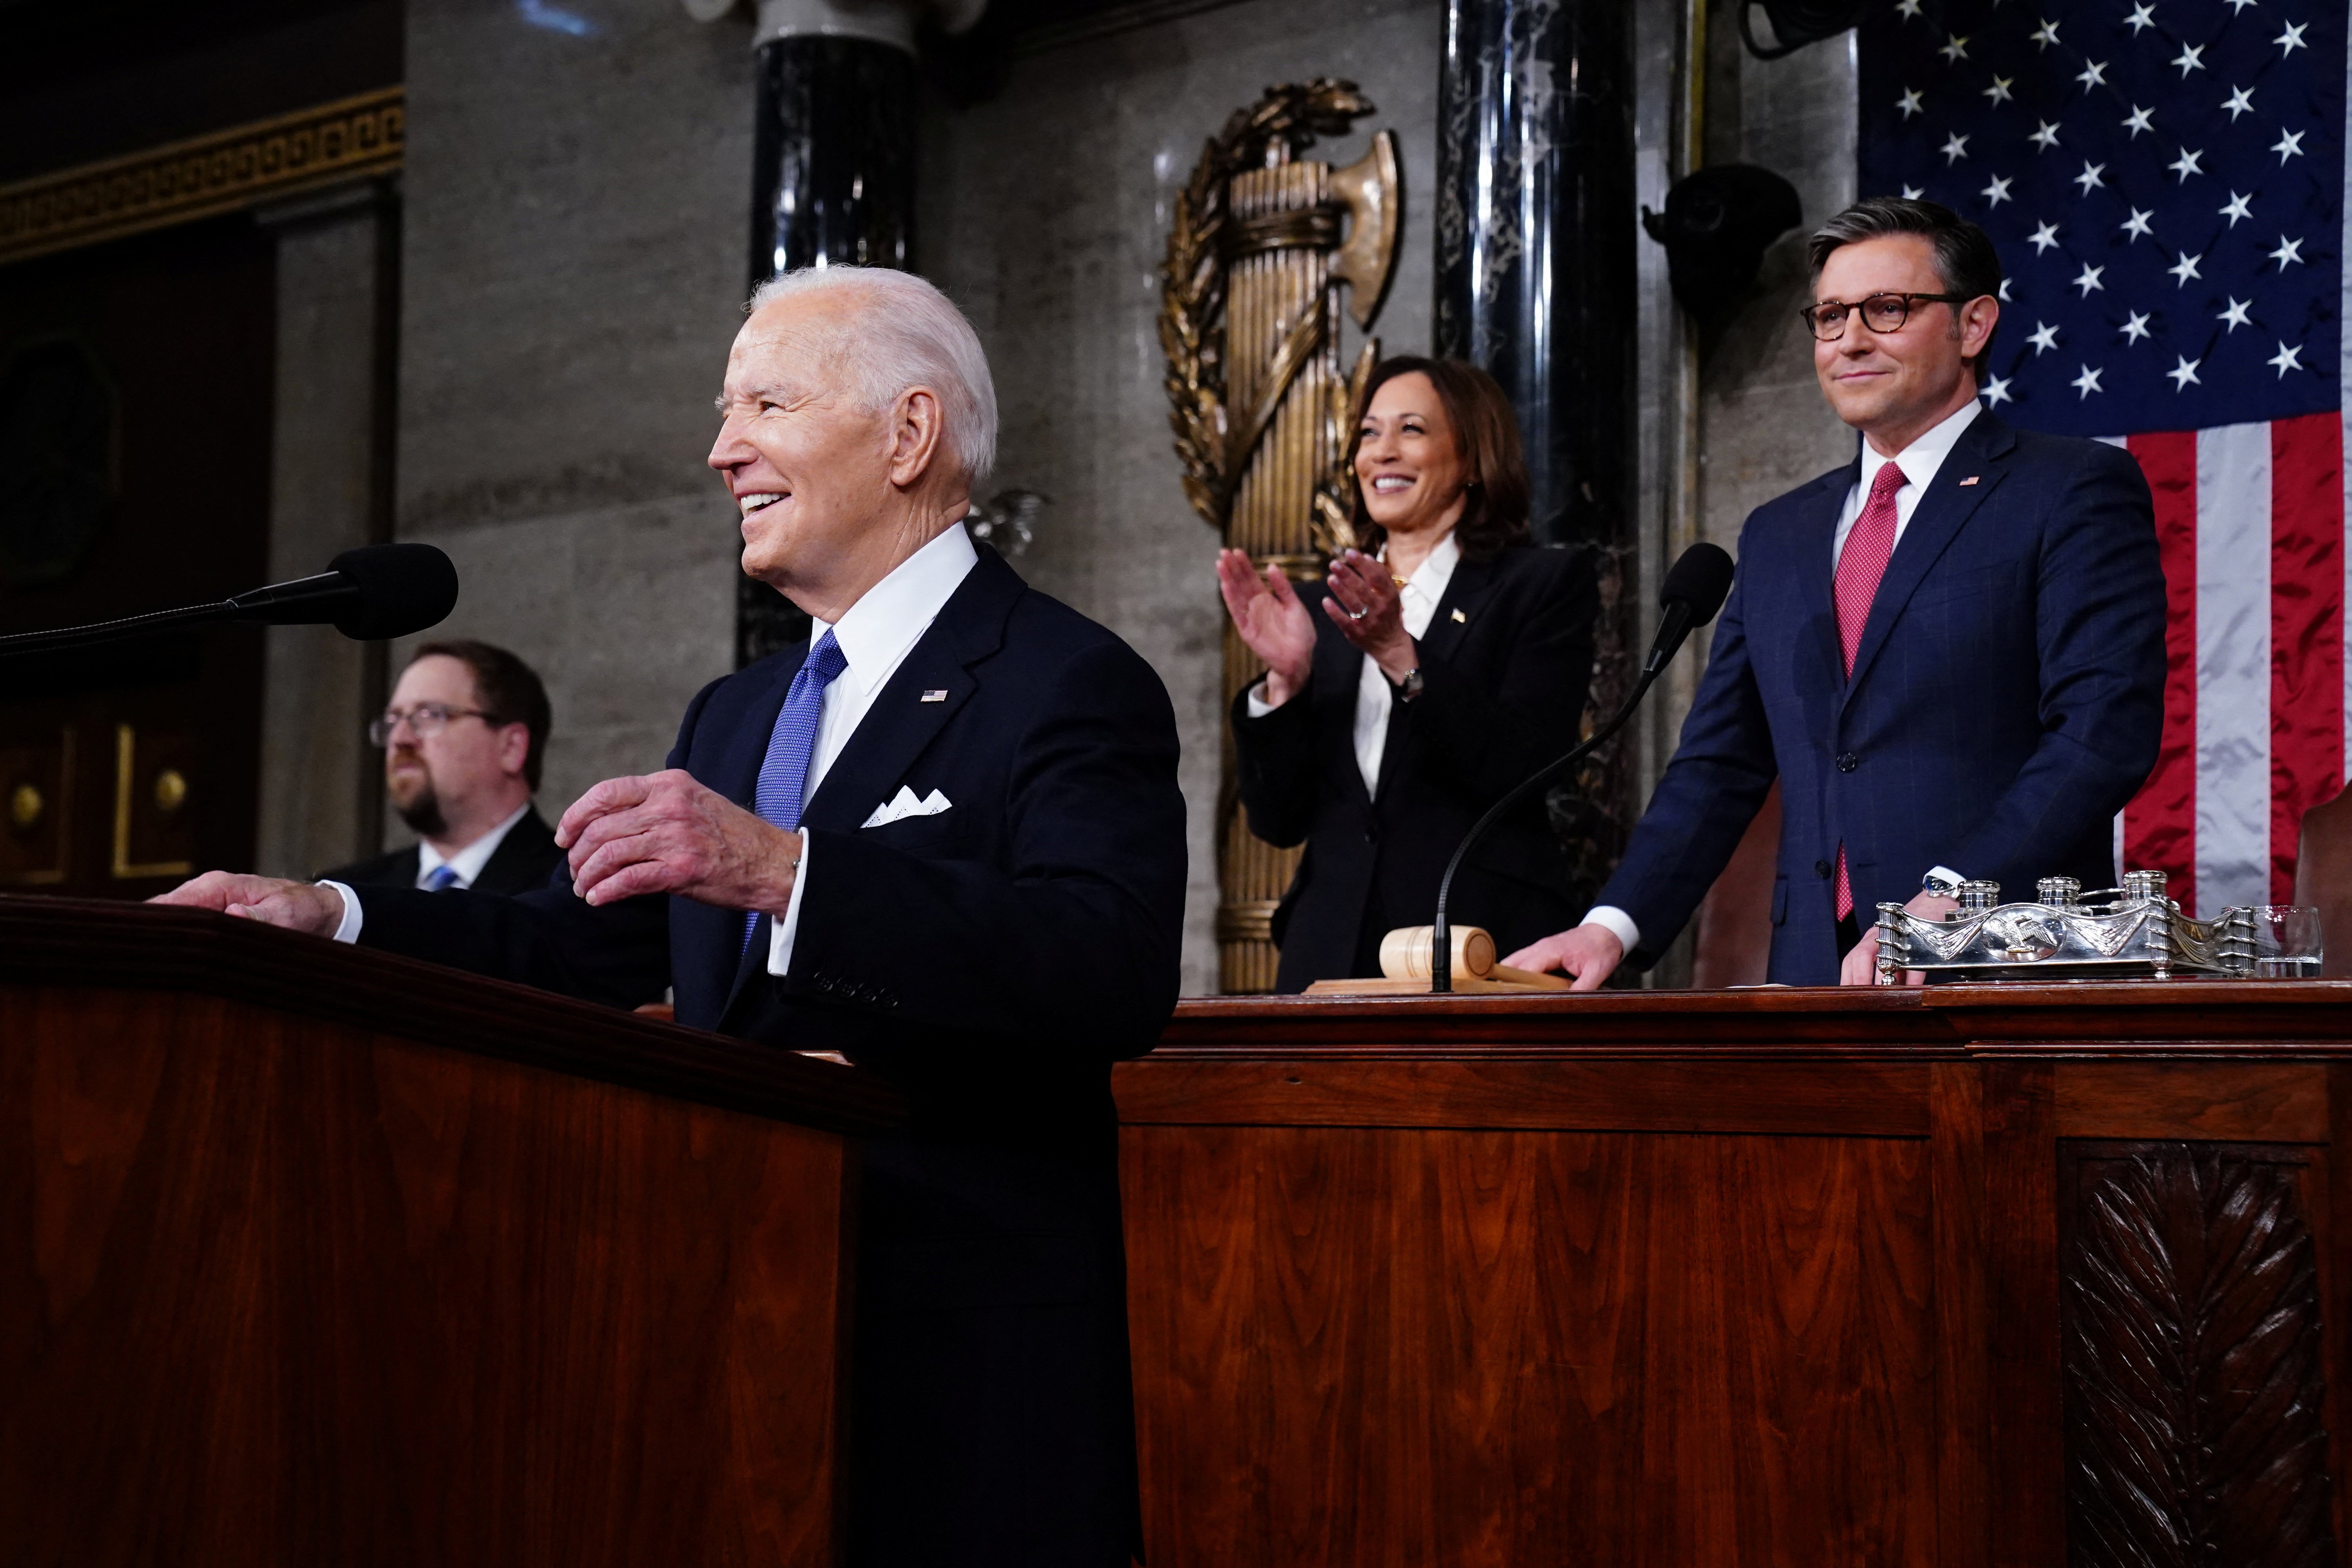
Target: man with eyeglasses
x=464, y=739
x=1950, y=652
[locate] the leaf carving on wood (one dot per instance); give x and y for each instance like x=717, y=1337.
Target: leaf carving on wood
x=2192, y=1364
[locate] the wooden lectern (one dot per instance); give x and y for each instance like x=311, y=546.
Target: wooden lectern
x=310, y=1255
x=1976, y=1275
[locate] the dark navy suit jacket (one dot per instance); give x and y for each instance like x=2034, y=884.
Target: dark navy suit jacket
x=2007, y=697
x=992, y=961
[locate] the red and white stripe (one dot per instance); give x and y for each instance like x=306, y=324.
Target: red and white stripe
x=2250, y=522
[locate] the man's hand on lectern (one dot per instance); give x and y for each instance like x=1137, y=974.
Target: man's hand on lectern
x=668, y=833
x=1860, y=966
x=1588, y=954
x=297, y=906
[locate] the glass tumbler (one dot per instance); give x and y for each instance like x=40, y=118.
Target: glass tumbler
x=2286, y=941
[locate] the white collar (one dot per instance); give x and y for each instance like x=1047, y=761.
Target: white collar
x=1436, y=569
x=875, y=633
x=468, y=862
x=1925, y=455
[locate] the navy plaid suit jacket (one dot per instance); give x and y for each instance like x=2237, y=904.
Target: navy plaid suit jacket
x=2006, y=700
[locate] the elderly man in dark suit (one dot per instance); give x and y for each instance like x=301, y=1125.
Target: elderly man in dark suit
x=1951, y=652
x=944, y=839
x=465, y=741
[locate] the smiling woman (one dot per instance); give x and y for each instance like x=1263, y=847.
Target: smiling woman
x=1448, y=660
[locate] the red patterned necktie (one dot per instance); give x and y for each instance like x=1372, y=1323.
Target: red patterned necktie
x=1860, y=566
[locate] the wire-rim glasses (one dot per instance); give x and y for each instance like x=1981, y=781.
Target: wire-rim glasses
x=423, y=720
x=1880, y=312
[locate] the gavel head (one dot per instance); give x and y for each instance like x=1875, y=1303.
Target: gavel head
x=1405, y=953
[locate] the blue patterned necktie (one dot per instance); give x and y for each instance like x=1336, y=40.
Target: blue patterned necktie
x=784, y=773
x=439, y=879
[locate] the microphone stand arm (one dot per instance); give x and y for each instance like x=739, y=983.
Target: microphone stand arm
x=1672, y=630
x=66, y=639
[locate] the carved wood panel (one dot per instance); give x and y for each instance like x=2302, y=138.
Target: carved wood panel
x=2192, y=1357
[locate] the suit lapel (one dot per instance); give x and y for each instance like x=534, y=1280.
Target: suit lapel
x=1816, y=555
x=736, y=775
x=1941, y=513
x=1339, y=669
x=1466, y=592
x=898, y=724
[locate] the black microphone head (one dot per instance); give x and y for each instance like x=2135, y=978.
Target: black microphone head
x=1700, y=579
x=402, y=588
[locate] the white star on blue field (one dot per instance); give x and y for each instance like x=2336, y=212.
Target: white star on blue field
x=2164, y=180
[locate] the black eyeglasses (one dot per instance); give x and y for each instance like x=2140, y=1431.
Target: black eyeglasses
x=425, y=719
x=1882, y=312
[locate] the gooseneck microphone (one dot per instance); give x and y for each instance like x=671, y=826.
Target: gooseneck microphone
x=376, y=590
x=1695, y=590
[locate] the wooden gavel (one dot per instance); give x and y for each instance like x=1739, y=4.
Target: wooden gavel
x=1405, y=955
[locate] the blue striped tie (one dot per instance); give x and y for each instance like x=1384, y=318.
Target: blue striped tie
x=784, y=774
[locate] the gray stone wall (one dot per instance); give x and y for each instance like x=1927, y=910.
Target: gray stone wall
x=1044, y=212
x=577, y=207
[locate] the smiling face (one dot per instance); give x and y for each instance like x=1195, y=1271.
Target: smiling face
x=1893, y=386
x=824, y=487
x=1409, y=464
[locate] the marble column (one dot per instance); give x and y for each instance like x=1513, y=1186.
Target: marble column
x=1536, y=281
x=1536, y=276
x=833, y=179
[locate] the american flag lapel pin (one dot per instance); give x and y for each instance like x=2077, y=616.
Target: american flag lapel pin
x=939, y=696
x=1969, y=480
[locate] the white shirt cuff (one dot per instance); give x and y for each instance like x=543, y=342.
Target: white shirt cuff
x=349, y=929
x=784, y=927
x=1617, y=923
x=1258, y=706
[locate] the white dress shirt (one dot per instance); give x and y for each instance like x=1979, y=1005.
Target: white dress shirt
x=1418, y=600
x=466, y=863
x=874, y=634
x=1920, y=461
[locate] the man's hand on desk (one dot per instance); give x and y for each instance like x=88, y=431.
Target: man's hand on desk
x=1861, y=966
x=1590, y=954
x=297, y=906
x=664, y=833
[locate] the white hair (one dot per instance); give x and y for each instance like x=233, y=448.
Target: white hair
x=905, y=333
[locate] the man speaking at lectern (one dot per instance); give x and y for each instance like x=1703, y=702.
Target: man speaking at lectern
x=944, y=839
x=1950, y=652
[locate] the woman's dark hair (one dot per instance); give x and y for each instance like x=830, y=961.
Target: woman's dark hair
x=1495, y=510
x=508, y=689
x=1965, y=258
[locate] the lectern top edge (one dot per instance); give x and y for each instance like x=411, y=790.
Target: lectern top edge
x=84, y=942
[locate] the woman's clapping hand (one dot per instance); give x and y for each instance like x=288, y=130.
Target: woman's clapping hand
x=1273, y=622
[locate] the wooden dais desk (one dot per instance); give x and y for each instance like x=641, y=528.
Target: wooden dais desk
x=1980, y=1275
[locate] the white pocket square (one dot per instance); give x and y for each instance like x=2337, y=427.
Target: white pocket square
x=904, y=804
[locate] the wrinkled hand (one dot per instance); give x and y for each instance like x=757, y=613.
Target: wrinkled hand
x=1588, y=954
x=1272, y=620
x=1368, y=608
x=664, y=833
x=1861, y=966
x=295, y=906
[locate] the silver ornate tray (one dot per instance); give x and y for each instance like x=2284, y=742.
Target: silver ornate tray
x=2134, y=932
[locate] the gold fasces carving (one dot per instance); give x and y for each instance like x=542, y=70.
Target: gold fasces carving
x=1259, y=403
x=351, y=138
x=1372, y=191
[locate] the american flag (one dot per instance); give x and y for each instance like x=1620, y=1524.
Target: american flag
x=2165, y=182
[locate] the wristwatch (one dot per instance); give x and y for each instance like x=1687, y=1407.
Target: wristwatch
x=1410, y=687
x=1942, y=880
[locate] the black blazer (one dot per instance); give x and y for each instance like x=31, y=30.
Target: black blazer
x=992, y=961
x=523, y=860
x=1507, y=661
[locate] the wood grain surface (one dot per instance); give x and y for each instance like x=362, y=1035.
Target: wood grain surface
x=275, y=1289
x=2222, y=1101
x=1359, y=1347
